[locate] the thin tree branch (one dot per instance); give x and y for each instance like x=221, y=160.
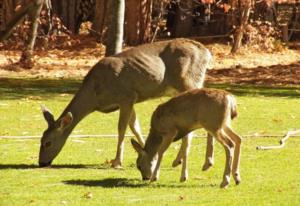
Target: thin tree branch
x=281, y=142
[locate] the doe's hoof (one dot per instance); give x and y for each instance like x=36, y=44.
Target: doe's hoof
x=176, y=163
x=153, y=179
x=116, y=164
x=237, y=178
x=224, y=184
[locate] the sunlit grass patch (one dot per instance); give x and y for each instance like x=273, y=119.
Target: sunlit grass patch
x=80, y=175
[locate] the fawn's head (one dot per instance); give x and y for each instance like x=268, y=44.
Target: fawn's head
x=144, y=162
x=53, y=138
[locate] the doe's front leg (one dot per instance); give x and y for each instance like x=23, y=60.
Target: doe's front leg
x=124, y=117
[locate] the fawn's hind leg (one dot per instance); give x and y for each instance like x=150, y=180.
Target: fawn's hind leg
x=237, y=152
x=186, y=142
x=228, y=147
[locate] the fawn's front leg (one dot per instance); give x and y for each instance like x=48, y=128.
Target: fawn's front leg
x=209, y=156
x=179, y=158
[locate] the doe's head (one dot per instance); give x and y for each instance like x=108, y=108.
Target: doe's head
x=144, y=162
x=53, y=138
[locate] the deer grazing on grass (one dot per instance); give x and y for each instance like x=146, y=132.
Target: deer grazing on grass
x=210, y=109
x=118, y=82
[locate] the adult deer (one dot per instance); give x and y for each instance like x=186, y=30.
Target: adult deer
x=120, y=81
x=210, y=109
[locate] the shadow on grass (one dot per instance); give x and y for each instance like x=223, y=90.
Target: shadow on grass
x=252, y=90
x=132, y=183
x=18, y=88
x=108, y=183
x=63, y=166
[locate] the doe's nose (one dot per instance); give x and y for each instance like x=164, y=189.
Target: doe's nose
x=44, y=164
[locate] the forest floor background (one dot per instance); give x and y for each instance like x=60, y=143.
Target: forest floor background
x=75, y=57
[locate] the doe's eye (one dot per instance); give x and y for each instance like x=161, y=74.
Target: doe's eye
x=48, y=144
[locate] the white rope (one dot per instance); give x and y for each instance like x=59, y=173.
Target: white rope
x=131, y=135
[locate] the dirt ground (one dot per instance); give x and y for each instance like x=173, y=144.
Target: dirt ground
x=247, y=67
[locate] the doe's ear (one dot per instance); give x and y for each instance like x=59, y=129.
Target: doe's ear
x=65, y=121
x=137, y=147
x=47, y=115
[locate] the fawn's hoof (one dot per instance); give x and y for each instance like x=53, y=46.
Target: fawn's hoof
x=237, y=178
x=207, y=165
x=176, y=162
x=116, y=164
x=183, y=179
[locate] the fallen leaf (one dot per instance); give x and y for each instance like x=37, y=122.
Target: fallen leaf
x=64, y=202
x=64, y=95
x=88, y=195
x=34, y=98
x=277, y=120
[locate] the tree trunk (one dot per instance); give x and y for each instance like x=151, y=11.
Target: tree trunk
x=72, y=16
x=132, y=22
x=145, y=20
x=2, y=16
x=18, y=17
x=100, y=18
x=138, y=26
x=238, y=36
x=64, y=12
x=34, y=13
x=115, y=39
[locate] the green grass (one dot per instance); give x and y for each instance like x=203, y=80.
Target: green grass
x=268, y=177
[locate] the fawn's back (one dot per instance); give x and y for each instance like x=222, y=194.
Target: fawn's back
x=199, y=108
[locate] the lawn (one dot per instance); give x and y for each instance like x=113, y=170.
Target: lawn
x=81, y=176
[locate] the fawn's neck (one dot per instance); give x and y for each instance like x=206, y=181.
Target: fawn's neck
x=152, y=144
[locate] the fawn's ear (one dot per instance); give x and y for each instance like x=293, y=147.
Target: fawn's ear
x=48, y=116
x=137, y=147
x=65, y=121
